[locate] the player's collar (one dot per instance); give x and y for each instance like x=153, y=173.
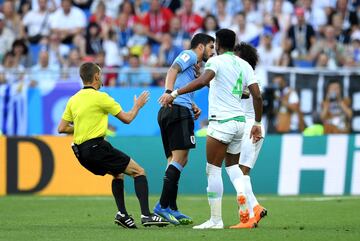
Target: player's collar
x=229, y=53
x=88, y=87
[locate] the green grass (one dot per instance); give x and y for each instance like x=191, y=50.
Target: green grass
x=91, y=218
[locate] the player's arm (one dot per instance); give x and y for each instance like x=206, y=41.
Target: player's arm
x=257, y=101
x=171, y=76
x=128, y=117
x=203, y=80
x=65, y=127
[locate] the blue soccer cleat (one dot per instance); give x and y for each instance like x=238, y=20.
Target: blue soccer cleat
x=165, y=213
x=182, y=218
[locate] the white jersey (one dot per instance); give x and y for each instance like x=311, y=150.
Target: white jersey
x=232, y=74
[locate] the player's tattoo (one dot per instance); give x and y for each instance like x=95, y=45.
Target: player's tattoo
x=176, y=67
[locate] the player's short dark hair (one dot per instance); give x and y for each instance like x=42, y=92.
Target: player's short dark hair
x=226, y=39
x=88, y=70
x=248, y=53
x=200, y=38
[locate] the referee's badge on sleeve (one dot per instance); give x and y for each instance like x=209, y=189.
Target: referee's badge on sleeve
x=192, y=139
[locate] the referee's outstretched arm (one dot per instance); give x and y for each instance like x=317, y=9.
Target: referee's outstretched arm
x=128, y=117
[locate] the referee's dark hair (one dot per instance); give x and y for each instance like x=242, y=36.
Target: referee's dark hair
x=200, y=38
x=87, y=71
x=226, y=39
x=248, y=53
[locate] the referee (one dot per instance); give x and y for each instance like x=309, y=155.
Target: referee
x=86, y=117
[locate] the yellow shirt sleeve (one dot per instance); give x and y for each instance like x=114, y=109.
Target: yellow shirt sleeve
x=110, y=105
x=67, y=115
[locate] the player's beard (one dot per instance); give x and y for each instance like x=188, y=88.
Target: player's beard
x=205, y=56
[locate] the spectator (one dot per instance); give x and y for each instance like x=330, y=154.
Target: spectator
x=282, y=10
x=181, y=39
x=13, y=71
x=287, y=107
x=301, y=35
x=7, y=37
x=157, y=21
x=134, y=74
x=315, y=16
x=83, y=4
x=329, y=46
x=113, y=57
x=148, y=58
x=204, y=8
x=269, y=55
x=44, y=75
x=336, y=112
x=109, y=73
x=138, y=39
x=123, y=32
x=348, y=13
x=251, y=13
x=322, y=61
x=271, y=22
x=224, y=18
x=190, y=21
x=168, y=51
x=342, y=35
x=21, y=53
x=12, y=19
x=68, y=21
x=93, y=39
x=246, y=32
x=353, y=50
x=111, y=7
x=99, y=16
x=127, y=9
x=36, y=23
x=72, y=65
x=210, y=25
x=52, y=5
x=58, y=52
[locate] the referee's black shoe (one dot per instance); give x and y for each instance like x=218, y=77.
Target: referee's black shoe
x=124, y=220
x=153, y=220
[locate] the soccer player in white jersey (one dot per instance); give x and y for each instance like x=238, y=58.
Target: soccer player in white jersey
x=227, y=75
x=249, y=151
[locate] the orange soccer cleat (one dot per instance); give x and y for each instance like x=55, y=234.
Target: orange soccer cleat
x=251, y=223
x=259, y=212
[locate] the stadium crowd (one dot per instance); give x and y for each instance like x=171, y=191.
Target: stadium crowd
x=51, y=38
x=44, y=42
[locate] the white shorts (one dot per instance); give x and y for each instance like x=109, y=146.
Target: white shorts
x=230, y=132
x=250, y=151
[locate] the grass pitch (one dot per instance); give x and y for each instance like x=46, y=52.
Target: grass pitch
x=91, y=218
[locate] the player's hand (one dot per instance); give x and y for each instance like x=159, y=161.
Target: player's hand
x=142, y=99
x=255, y=133
x=196, y=110
x=166, y=100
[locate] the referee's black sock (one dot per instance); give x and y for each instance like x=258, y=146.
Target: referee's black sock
x=169, y=191
x=117, y=186
x=142, y=193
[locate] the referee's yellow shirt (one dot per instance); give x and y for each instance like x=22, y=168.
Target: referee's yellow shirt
x=88, y=109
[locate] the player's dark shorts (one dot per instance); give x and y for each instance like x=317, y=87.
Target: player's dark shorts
x=177, y=128
x=100, y=157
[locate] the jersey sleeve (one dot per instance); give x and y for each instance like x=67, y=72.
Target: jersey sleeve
x=67, y=115
x=250, y=77
x=212, y=65
x=110, y=105
x=185, y=60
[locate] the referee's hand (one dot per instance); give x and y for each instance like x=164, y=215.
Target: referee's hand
x=142, y=99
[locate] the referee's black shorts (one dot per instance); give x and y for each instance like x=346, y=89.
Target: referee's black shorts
x=100, y=157
x=177, y=128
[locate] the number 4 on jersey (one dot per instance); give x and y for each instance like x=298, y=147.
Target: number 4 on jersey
x=237, y=90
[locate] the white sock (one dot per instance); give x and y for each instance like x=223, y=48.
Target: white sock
x=250, y=195
x=215, y=191
x=236, y=177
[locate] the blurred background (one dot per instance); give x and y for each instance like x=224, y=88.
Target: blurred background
x=309, y=59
